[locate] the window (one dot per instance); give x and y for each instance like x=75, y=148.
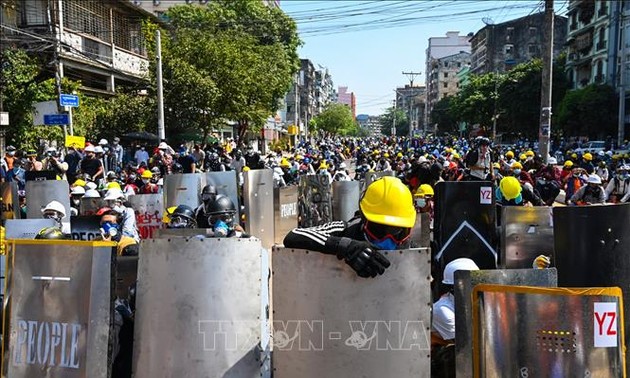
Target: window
x=445, y=75
x=533, y=49
x=459, y=64
x=533, y=31
x=445, y=85
x=509, y=33
x=509, y=48
x=600, y=68
x=34, y=13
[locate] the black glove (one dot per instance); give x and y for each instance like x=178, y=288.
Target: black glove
x=360, y=255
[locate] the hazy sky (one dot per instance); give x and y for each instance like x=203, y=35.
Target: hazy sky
x=366, y=45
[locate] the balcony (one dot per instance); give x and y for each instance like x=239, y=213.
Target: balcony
x=601, y=45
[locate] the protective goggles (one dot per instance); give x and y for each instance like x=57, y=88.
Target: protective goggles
x=377, y=232
x=205, y=197
x=226, y=218
x=181, y=222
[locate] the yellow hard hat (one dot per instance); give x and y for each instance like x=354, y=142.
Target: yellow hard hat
x=568, y=164
x=509, y=154
x=510, y=187
x=79, y=182
x=246, y=169
x=376, y=152
x=113, y=185
x=523, y=157
x=529, y=153
x=284, y=163
x=146, y=174
x=323, y=165
x=426, y=190
x=455, y=156
x=399, y=155
x=166, y=217
x=496, y=165
x=517, y=165
x=388, y=201
x=588, y=156
x=299, y=157
x=573, y=156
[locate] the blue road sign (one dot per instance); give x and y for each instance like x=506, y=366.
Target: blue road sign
x=56, y=119
x=69, y=100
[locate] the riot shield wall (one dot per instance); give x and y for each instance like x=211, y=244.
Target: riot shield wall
x=314, y=201
x=10, y=204
x=285, y=211
x=465, y=281
x=40, y=193
x=592, y=246
x=226, y=184
x=86, y=227
x=328, y=322
x=421, y=232
x=201, y=308
x=542, y=332
x=370, y=177
x=345, y=199
x=57, y=313
x=258, y=198
x=149, y=210
x=26, y=228
x=526, y=232
x=464, y=224
x=182, y=189
x=89, y=206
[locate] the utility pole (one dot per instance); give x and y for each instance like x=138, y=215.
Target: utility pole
x=393, y=131
x=160, y=89
x=55, y=32
x=411, y=76
x=544, y=131
x=622, y=76
x=496, y=98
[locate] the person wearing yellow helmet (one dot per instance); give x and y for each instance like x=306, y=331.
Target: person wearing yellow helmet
x=387, y=215
x=510, y=192
x=587, y=163
x=423, y=199
x=148, y=186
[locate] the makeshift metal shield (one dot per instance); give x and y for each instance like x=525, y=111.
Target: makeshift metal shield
x=182, y=189
x=9, y=202
x=149, y=210
x=206, y=299
x=345, y=199
x=314, y=201
x=547, y=332
x=57, y=314
x=85, y=228
x=526, y=232
x=285, y=211
x=328, y=322
x=89, y=206
x=258, y=198
x=464, y=224
x=465, y=281
x=225, y=182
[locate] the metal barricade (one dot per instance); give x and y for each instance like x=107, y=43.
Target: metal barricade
x=10, y=204
x=328, y=322
x=149, y=211
x=345, y=199
x=526, y=232
x=40, y=193
x=206, y=299
x=226, y=184
x=464, y=224
x=421, y=232
x=58, y=308
x=285, y=211
x=465, y=281
x=258, y=201
x=314, y=201
x=370, y=177
x=26, y=228
x=545, y=332
x=182, y=189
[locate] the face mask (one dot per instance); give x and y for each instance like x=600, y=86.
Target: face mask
x=421, y=202
x=109, y=230
x=53, y=215
x=517, y=172
x=146, y=181
x=118, y=208
x=161, y=152
x=496, y=172
x=221, y=228
x=11, y=153
x=76, y=201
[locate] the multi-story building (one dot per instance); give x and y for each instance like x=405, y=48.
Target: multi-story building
x=499, y=47
x=440, y=47
x=324, y=90
x=159, y=7
x=411, y=101
x=592, y=43
x=442, y=77
x=99, y=42
x=348, y=99
x=301, y=99
x=370, y=123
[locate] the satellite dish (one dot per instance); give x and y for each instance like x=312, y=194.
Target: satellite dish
x=487, y=21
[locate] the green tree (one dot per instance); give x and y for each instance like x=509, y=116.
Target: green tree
x=231, y=60
x=444, y=117
x=590, y=111
x=336, y=119
x=399, y=117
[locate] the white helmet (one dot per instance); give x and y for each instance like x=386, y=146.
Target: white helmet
x=552, y=161
x=78, y=190
x=455, y=265
x=342, y=166
x=103, y=142
x=89, y=148
x=91, y=185
x=91, y=193
x=98, y=150
x=594, y=179
x=55, y=206
x=114, y=194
